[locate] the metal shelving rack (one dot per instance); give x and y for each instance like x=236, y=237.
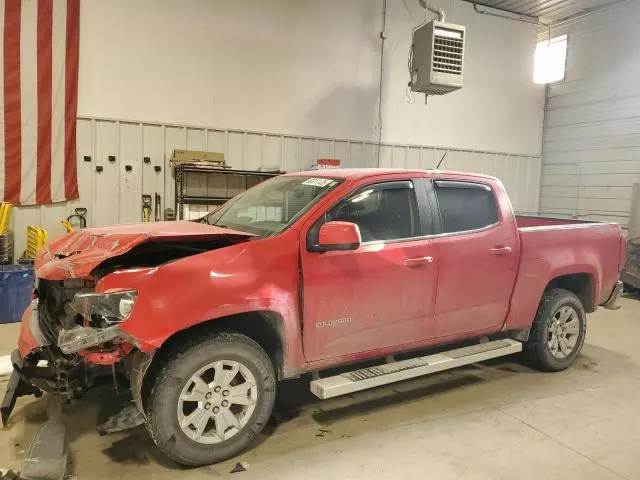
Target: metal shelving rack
x=196, y=190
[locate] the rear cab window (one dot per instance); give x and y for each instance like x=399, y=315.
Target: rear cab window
x=465, y=206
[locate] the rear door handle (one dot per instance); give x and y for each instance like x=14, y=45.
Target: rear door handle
x=417, y=261
x=501, y=250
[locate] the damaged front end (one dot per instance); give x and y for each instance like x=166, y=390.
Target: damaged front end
x=72, y=341
x=73, y=334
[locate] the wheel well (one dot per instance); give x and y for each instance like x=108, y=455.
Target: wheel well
x=263, y=327
x=579, y=283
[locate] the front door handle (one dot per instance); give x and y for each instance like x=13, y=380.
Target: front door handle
x=500, y=250
x=417, y=261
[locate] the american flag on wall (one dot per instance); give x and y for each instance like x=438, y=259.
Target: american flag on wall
x=38, y=100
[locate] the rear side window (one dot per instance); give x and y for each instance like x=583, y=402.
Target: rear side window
x=465, y=206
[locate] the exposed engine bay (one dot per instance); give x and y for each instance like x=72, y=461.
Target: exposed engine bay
x=153, y=254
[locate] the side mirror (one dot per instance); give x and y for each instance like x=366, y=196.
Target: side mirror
x=338, y=236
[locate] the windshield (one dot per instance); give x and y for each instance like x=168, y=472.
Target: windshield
x=271, y=206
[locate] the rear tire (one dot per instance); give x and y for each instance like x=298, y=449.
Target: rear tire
x=558, y=331
x=211, y=398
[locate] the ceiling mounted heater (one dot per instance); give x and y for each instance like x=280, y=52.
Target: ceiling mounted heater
x=437, y=58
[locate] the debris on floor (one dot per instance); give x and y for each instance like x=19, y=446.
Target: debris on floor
x=322, y=432
x=18, y=448
x=127, y=418
x=48, y=454
x=240, y=467
x=9, y=475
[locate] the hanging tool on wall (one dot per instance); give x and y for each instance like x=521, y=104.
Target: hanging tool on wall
x=146, y=208
x=80, y=216
x=157, y=208
x=67, y=225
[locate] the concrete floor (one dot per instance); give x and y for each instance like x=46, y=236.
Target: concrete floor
x=490, y=421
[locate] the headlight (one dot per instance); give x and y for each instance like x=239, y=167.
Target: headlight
x=126, y=305
x=103, y=312
x=104, y=309
x=79, y=338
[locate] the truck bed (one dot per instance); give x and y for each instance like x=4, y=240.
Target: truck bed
x=552, y=247
x=527, y=221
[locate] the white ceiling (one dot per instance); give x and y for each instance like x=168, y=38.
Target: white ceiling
x=548, y=11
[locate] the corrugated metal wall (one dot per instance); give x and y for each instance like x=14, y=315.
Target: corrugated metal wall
x=114, y=194
x=591, y=151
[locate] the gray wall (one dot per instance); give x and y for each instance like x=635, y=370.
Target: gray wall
x=591, y=147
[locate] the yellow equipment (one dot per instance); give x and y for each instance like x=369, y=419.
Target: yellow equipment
x=36, y=240
x=5, y=217
x=146, y=208
x=67, y=226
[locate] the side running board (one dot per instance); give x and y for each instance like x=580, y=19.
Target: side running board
x=415, y=367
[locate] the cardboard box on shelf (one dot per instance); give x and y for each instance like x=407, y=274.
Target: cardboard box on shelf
x=194, y=156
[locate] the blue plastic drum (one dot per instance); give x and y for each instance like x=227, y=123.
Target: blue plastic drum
x=16, y=288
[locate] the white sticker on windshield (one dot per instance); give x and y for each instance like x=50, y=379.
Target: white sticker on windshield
x=317, y=182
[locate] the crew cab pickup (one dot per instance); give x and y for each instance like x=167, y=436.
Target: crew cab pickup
x=305, y=272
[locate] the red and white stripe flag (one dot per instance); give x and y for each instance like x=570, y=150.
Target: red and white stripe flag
x=38, y=100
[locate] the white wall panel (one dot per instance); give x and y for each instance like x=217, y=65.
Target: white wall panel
x=153, y=149
x=292, y=154
x=106, y=201
x=591, y=150
x=130, y=176
x=255, y=151
x=197, y=139
x=386, y=157
x=308, y=152
x=175, y=137
x=115, y=194
x=235, y=150
x=273, y=152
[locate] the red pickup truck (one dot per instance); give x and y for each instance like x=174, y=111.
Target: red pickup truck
x=301, y=273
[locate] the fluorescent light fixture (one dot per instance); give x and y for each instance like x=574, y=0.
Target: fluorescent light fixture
x=550, y=60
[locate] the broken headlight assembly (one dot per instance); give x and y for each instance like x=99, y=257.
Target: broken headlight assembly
x=101, y=313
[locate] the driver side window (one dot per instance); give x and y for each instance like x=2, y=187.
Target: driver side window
x=384, y=211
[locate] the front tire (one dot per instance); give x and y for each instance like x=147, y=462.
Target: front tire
x=558, y=331
x=211, y=398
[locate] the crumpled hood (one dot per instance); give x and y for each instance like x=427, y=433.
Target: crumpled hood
x=76, y=254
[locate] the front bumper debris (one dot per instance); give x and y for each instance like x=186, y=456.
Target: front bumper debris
x=18, y=386
x=612, y=301
x=127, y=418
x=47, y=456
